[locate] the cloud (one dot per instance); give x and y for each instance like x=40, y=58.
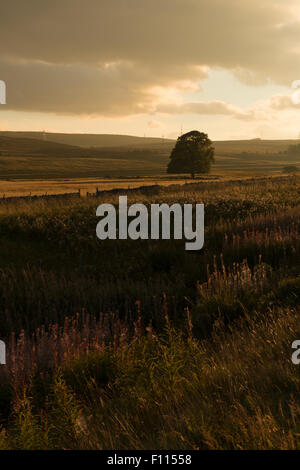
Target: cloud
x=153, y=124
x=282, y=103
x=107, y=57
x=110, y=89
x=75, y=88
x=259, y=111
x=205, y=108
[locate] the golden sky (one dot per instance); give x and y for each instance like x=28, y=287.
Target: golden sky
x=151, y=66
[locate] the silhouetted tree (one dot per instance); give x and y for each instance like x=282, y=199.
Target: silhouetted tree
x=193, y=153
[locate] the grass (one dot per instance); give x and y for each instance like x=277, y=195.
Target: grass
x=237, y=390
x=142, y=345
x=38, y=156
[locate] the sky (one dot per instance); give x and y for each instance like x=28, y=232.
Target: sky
x=151, y=67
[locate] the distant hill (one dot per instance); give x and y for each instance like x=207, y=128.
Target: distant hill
x=12, y=146
x=35, y=155
x=29, y=147
x=105, y=141
x=227, y=147
x=29, y=158
x=89, y=140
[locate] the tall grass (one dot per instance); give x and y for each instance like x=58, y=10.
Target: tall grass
x=143, y=345
x=237, y=390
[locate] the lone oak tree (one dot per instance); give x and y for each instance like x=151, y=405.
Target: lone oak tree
x=193, y=153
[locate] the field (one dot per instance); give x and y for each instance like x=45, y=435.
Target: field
x=37, y=156
x=125, y=344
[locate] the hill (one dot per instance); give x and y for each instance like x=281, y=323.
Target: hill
x=20, y=146
x=115, y=141
x=23, y=155
x=227, y=147
x=89, y=140
x=28, y=158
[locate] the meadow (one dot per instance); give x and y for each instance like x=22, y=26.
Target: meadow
x=142, y=345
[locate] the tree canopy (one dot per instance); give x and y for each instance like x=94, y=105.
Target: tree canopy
x=193, y=153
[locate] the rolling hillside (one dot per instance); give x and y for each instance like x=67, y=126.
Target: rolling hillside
x=90, y=140
x=20, y=146
x=23, y=155
x=117, y=141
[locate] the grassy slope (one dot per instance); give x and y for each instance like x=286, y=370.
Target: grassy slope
x=23, y=156
x=111, y=140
